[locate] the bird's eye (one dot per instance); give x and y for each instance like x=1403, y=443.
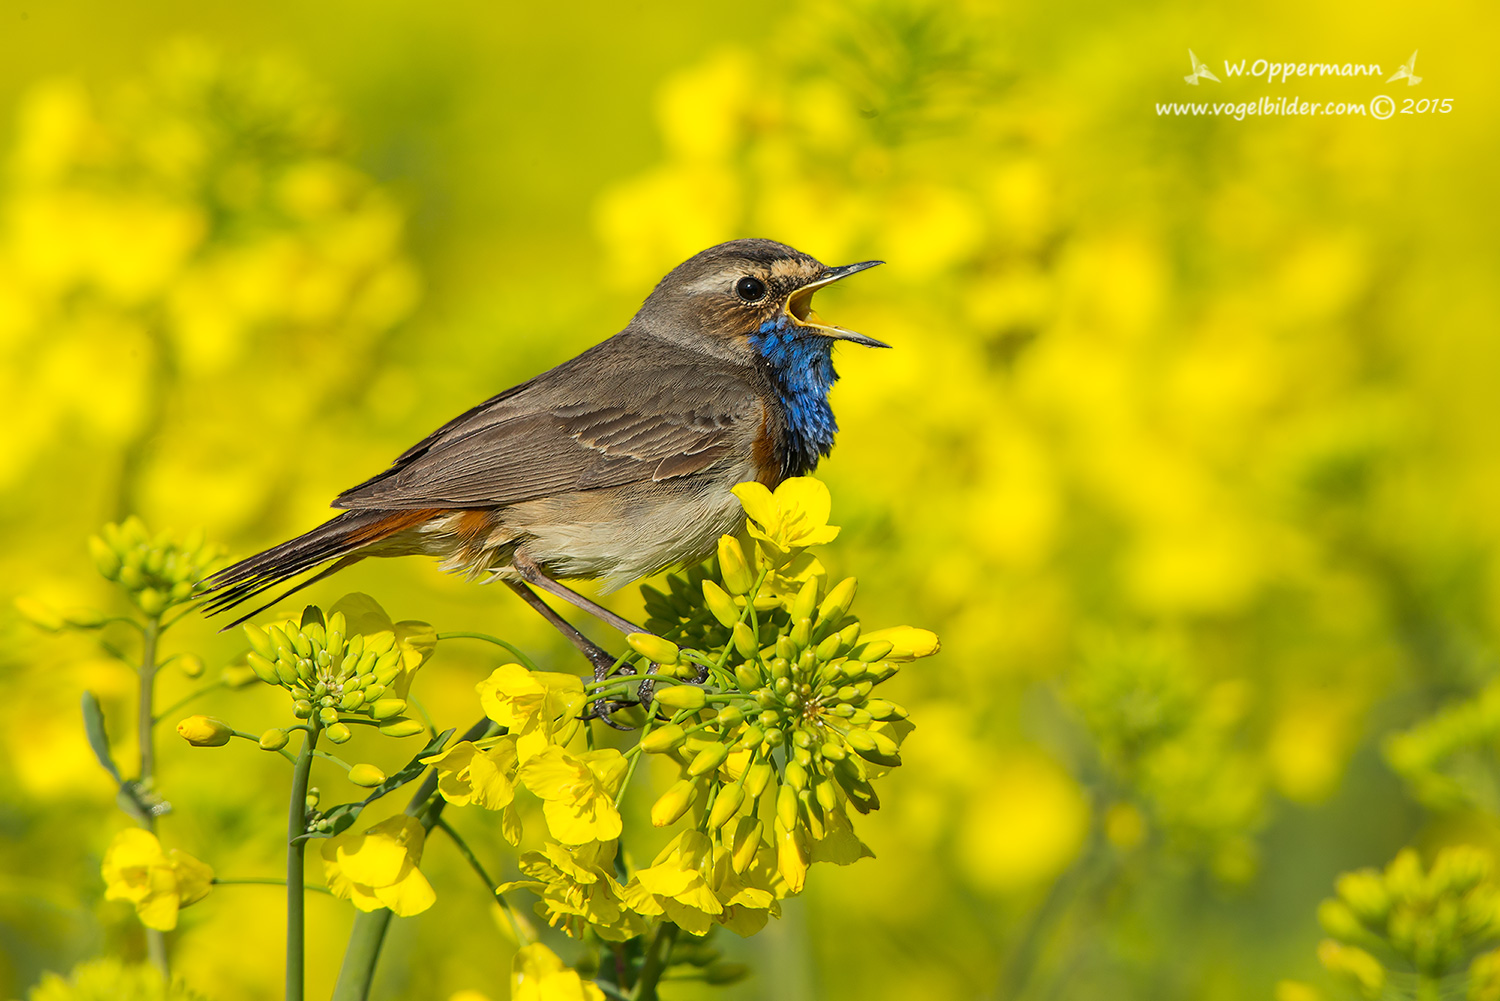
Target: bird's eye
x=750, y=289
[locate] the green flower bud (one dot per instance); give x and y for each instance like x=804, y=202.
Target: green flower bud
x=748, y=677
x=744, y=843
x=726, y=806
x=829, y=648
x=774, y=737
x=733, y=569
x=757, y=777
x=273, y=739
x=105, y=558
x=836, y=605
x=874, y=747
x=204, y=731
x=131, y=576
x=720, y=604
x=682, y=697
x=654, y=648
x=745, y=643
x=366, y=775
x=751, y=739
x=402, y=726
x=386, y=708
x=833, y=751
x=708, y=759
x=801, y=634
x=191, y=665
x=662, y=739
x=785, y=649
x=795, y=775
x=328, y=715
x=352, y=700
x=1365, y=893
x=875, y=650
x=786, y=806
x=731, y=716
x=824, y=793
x=885, y=710
x=338, y=733
x=674, y=803
x=152, y=601
x=302, y=709
x=373, y=693
x=806, y=601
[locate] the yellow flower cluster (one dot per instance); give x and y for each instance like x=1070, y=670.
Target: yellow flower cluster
x=779, y=736
x=156, y=571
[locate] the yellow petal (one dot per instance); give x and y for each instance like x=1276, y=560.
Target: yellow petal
x=758, y=504
x=194, y=878
x=411, y=894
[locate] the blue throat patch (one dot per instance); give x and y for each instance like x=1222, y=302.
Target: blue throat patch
x=803, y=369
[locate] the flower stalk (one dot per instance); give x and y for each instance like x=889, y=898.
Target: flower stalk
x=295, y=848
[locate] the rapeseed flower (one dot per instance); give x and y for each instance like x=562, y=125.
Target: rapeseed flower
x=157, y=883
x=378, y=868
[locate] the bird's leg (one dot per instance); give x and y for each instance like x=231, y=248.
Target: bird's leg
x=601, y=659
x=532, y=574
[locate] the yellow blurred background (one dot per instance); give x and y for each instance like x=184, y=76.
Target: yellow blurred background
x=1186, y=447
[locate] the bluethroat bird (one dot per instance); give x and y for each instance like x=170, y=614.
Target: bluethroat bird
x=614, y=465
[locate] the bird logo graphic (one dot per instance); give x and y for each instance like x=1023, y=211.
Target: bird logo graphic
x=1407, y=72
x=1202, y=72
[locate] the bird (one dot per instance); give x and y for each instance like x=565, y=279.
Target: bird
x=1407, y=72
x=614, y=465
x=1200, y=71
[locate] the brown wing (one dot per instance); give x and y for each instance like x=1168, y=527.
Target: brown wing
x=630, y=409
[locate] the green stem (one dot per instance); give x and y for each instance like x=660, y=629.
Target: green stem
x=368, y=933
x=296, y=826
x=156, y=942
x=487, y=638
x=655, y=962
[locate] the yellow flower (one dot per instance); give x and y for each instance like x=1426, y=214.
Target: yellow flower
x=379, y=867
x=677, y=884
x=157, y=883
x=537, y=707
x=578, y=891
x=907, y=642
x=484, y=776
x=536, y=974
x=577, y=792
x=794, y=517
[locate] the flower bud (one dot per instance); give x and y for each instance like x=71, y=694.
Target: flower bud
x=720, y=604
x=885, y=710
x=745, y=643
x=302, y=709
x=836, y=605
x=673, y=803
x=204, y=731
x=733, y=569
x=328, y=715
x=874, y=649
x=750, y=739
x=191, y=665
x=708, y=759
x=105, y=557
x=757, y=777
x=152, y=601
x=662, y=739
x=1364, y=891
x=338, y=732
x=731, y=716
x=401, y=726
x=748, y=677
x=907, y=643
x=726, y=806
x=352, y=700
x=801, y=634
x=795, y=775
x=386, y=708
x=875, y=747
x=682, y=697
x=1339, y=920
x=745, y=843
x=786, y=806
x=829, y=648
x=367, y=775
x=273, y=739
x=654, y=648
x=806, y=600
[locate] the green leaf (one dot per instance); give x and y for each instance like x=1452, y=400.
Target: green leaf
x=343, y=815
x=93, y=726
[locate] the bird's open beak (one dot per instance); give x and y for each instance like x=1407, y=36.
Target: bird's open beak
x=799, y=305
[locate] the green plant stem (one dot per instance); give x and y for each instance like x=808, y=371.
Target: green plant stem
x=522, y=933
x=156, y=942
x=487, y=638
x=368, y=934
x=655, y=962
x=296, y=826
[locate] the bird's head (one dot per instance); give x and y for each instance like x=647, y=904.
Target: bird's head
x=726, y=295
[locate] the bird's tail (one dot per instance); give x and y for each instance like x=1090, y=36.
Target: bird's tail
x=341, y=540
